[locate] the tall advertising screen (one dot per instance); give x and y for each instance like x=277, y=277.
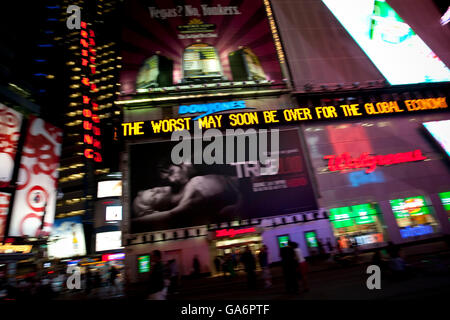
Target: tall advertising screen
x=110, y=188
x=10, y=123
x=182, y=43
x=440, y=131
x=67, y=238
x=392, y=45
x=4, y=205
x=35, y=199
x=110, y=240
x=166, y=196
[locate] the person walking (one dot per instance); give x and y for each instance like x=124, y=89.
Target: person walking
x=217, y=263
x=264, y=263
x=196, y=266
x=302, y=266
x=157, y=288
x=289, y=265
x=173, y=277
x=113, y=279
x=250, y=265
x=330, y=246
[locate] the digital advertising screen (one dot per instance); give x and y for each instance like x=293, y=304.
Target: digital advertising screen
x=440, y=131
x=4, y=206
x=110, y=188
x=67, y=238
x=111, y=240
x=412, y=206
x=143, y=264
x=174, y=43
x=389, y=42
x=351, y=215
x=113, y=213
x=311, y=239
x=412, y=214
x=35, y=199
x=445, y=199
x=10, y=124
x=283, y=241
x=165, y=196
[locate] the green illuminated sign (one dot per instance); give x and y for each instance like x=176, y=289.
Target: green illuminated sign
x=311, y=239
x=144, y=264
x=364, y=213
x=348, y=216
x=445, y=198
x=341, y=217
x=283, y=241
x=412, y=206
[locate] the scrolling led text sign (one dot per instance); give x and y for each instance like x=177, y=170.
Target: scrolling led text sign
x=346, y=162
x=281, y=116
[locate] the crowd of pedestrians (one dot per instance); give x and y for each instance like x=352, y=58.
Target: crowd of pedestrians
x=52, y=284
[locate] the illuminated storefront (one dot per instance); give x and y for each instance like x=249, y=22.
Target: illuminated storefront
x=360, y=224
x=381, y=177
x=445, y=198
x=414, y=216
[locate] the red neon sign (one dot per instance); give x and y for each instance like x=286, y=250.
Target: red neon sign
x=88, y=52
x=113, y=256
x=232, y=232
x=346, y=162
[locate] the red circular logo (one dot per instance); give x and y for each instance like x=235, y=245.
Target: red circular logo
x=37, y=198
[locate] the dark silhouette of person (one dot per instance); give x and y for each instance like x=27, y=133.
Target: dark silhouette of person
x=289, y=265
x=113, y=272
x=217, y=264
x=320, y=248
x=89, y=281
x=330, y=246
x=156, y=279
x=250, y=265
x=196, y=265
x=263, y=258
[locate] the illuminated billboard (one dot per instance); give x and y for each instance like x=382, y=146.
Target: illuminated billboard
x=113, y=213
x=445, y=198
x=10, y=123
x=67, y=238
x=4, y=205
x=35, y=199
x=167, y=196
x=144, y=264
x=171, y=44
x=440, y=131
x=355, y=215
x=394, y=48
x=111, y=240
x=413, y=216
x=110, y=188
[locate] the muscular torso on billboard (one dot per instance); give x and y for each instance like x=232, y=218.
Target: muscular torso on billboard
x=215, y=193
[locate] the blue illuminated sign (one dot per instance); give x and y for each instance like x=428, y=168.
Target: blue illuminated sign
x=210, y=108
x=358, y=178
x=420, y=230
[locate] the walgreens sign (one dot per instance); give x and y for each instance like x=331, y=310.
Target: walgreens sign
x=370, y=162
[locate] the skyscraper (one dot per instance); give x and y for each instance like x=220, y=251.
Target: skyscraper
x=91, y=67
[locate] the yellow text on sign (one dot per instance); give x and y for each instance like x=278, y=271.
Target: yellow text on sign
x=170, y=125
x=133, y=129
x=243, y=118
x=210, y=122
